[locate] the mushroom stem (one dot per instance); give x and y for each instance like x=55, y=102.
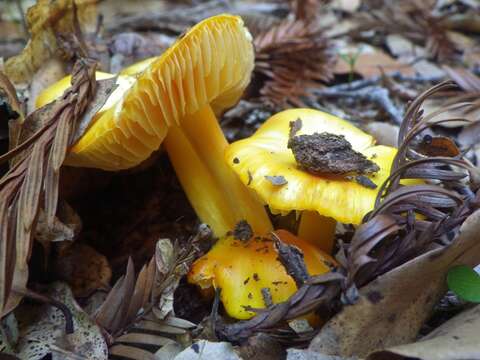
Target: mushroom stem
x=196, y=149
x=317, y=229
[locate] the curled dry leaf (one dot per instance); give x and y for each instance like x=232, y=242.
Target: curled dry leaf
x=388, y=310
x=134, y=307
x=391, y=236
x=41, y=146
x=45, y=20
x=455, y=339
x=393, y=307
x=35, y=172
x=10, y=107
x=50, y=72
x=8, y=95
x=66, y=226
x=42, y=329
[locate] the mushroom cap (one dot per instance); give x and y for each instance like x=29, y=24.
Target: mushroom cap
x=266, y=154
x=138, y=67
x=210, y=65
x=253, y=267
x=57, y=89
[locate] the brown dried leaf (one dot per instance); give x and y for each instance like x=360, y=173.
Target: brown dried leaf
x=373, y=64
x=391, y=236
x=104, y=89
x=112, y=314
x=455, y=339
x=11, y=105
x=24, y=183
x=149, y=339
x=146, y=305
x=393, y=307
x=306, y=9
x=66, y=226
x=45, y=21
x=83, y=268
x=130, y=352
x=416, y=21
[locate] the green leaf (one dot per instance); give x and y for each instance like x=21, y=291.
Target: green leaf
x=465, y=283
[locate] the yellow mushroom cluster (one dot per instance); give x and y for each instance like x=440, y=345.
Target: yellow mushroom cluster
x=174, y=100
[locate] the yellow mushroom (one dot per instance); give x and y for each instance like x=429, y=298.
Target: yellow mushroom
x=173, y=100
x=323, y=197
x=244, y=269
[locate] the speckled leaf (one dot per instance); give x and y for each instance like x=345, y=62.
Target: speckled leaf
x=455, y=339
x=42, y=327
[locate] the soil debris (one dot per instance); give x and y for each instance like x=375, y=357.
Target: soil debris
x=327, y=153
x=277, y=180
x=243, y=231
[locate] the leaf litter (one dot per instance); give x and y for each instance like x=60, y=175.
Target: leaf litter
x=369, y=303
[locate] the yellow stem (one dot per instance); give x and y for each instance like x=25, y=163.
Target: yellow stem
x=219, y=198
x=317, y=229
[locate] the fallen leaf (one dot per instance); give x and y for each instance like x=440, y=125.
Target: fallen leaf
x=384, y=133
x=300, y=354
x=10, y=107
x=434, y=105
x=7, y=89
x=49, y=72
x=349, y=6
x=66, y=226
x=169, y=351
x=33, y=176
x=204, y=349
x=261, y=346
x=370, y=64
x=433, y=146
x=83, y=268
x=390, y=311
x=428, y=69
x=45, y=20
x=455, y=339
x=470, y=135
x=404, y=49
x=42, y=327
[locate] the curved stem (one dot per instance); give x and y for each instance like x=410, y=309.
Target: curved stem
x=219, y=198
x=318, y=230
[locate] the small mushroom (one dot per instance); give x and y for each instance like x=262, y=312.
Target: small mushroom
x=244, y=269
x=331, y=168
x=173, y=100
